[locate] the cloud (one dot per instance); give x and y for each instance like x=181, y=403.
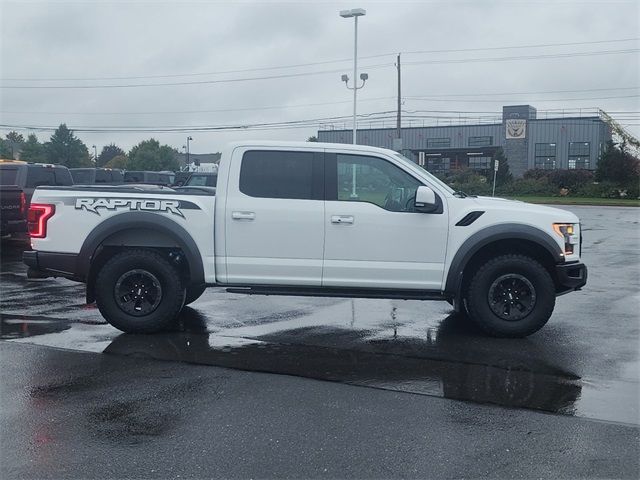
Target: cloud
x=79, y=40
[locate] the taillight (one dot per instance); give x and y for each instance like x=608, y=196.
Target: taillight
x=39, y=214
x=23, y=203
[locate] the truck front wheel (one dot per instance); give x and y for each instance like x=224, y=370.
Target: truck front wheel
x=139, y=291
x=511, y=296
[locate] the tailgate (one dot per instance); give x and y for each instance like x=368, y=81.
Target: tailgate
x=11, y=203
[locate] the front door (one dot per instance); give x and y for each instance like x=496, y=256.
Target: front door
x=374, y=237
x=274, y=218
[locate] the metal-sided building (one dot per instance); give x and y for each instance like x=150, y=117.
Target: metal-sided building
x=527, y=142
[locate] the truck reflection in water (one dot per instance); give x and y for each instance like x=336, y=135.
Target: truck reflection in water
x=449, y=361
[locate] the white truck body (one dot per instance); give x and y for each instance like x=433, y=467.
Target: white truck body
x=331, y=242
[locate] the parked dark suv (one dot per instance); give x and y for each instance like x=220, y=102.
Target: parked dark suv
x=152, y=178
x=18, y=180
x=91, y=176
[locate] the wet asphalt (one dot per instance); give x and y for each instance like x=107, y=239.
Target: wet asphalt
x=236, y=392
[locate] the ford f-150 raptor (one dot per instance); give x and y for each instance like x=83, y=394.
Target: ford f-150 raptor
x=307, y=219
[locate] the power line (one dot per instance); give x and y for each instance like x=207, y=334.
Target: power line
x=286, y=106
x=200, y=82
x=480, y=94
x=524, y=57
x=319, y=72
x=222, y=110
x=501, y=100
x=308, y=64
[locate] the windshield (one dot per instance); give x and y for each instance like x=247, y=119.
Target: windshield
x=422, y=171
x=8, y=176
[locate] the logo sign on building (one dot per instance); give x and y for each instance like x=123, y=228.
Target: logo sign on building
x=516, y=128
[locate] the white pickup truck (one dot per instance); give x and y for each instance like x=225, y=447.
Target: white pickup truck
x=307, y=219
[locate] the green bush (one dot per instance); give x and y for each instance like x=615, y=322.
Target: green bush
x=469, y=182
x=609, y=190
x=528, y=186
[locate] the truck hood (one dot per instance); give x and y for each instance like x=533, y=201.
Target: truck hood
x=494, y=203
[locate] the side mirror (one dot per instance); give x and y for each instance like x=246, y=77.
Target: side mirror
x=425, y=199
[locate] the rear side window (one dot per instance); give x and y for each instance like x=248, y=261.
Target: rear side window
x=37, y=176
x=82, y=176
x=8, y=176
x=134, y=177
x=116, y=176
x=103, y=176
x=273, y=174
x=62, y=176
x=151, y=177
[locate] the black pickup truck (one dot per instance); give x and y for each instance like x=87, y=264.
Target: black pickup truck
x=12, y=210
x=18, y=180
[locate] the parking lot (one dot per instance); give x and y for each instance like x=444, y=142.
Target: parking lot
x=441, y=399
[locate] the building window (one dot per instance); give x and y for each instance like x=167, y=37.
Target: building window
x=438, y=142
x=480, y=141
x=579, y=155
x=438, y=165
x=480, y=163
x=545, y=156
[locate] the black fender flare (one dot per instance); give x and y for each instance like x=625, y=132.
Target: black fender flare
x=147, y=221
x=507, y=231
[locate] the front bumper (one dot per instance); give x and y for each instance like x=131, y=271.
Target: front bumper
x=51, y=264
x=570, y=277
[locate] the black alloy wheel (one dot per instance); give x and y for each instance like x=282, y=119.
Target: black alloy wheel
x=138, y=292
x=512, y=297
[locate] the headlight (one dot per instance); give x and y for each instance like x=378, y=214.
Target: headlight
x=567, y=232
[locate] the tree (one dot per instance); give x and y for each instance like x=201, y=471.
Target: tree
x=119, y=161
x=5, y=149
x=617, y=165
x=33, y=150
x=150, y=155
x=109, y=152
x=65, y=148
x=312, y=139
x=15, y=141
x=503, y=175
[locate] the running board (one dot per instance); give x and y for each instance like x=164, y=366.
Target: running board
x=340, y=292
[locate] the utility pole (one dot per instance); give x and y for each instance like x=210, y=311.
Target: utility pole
x=399, y=120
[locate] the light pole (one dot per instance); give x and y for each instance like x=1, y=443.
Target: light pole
x=188, y=140
x=95, y=154
x=355, y=13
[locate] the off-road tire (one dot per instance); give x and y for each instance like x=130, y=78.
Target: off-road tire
x=168, y=302
x=194, y=293
x=529, y=273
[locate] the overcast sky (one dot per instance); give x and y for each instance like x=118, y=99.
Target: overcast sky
x=215, y=50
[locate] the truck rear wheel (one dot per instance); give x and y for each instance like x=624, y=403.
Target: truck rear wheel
x=139, y=291
x=511, y=296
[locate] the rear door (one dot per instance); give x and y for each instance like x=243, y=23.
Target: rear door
x=274, y=217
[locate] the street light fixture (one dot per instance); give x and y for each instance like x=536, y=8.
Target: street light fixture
x=355, y=13
x=188, y=140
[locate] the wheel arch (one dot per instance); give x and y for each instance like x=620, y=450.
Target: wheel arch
x=133, y=229
x=499, y=239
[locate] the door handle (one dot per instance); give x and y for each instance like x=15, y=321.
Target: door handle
x=338, y=219
x=243, y=215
